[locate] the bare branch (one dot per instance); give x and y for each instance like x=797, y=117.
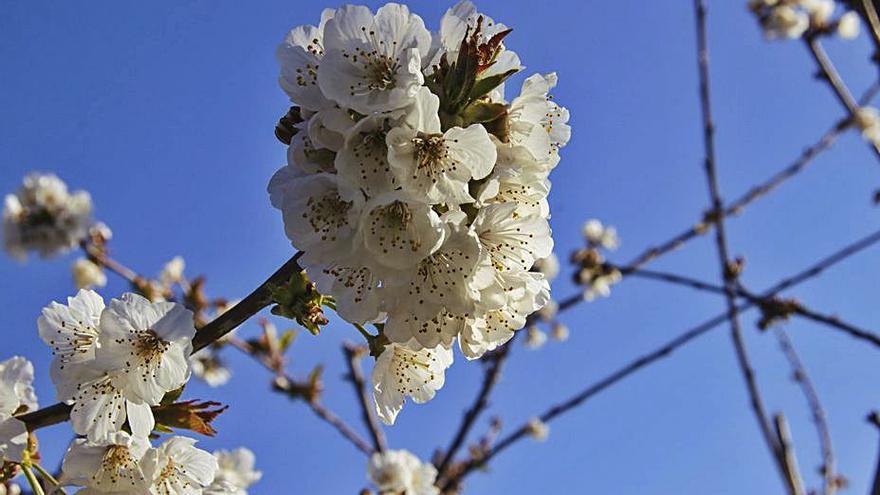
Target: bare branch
x=728, y=274
x=783, y=438
x=353, y=354
x=820, y=420
x=491, y=374
x=797, y=309
x=829, y=74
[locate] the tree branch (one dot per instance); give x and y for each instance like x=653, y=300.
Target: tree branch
x=353, y=355
x=799, y=309
x=728, y=274
x=829, y=73
x=820, y=419
x=491, y=374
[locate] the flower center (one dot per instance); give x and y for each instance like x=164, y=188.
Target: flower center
x=398, y=215
x=149, y=346
x=326, y=214
x=116, y=461
x=432, y=156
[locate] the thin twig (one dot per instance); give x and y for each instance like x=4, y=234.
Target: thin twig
x=873, y=21
x=829, y=73
x=728, y=274
x=820, y=419
x=874, y=419
x=345, y=430
x=101, y=258
x=798, y=309
x=290, y=386
x=353, y=355
x=786, y=447
x=491, y=374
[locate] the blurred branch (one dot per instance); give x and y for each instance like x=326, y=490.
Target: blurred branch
x=728, y=272
x=309, y=391
x=798, y=309
x=874, y=419
x=786, y=447
x=491, y=375
x=829, y=74
x=820, y=419
x=353, y=354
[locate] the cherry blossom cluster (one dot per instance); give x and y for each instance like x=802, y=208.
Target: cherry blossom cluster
x=791, y=19
x=416, y=192
x=112, y=363
x=44, y=217
x=592, y=272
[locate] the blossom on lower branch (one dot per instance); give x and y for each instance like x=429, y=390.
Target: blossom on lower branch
x=407, y=370
x=16, y=396
x=235, y=472
x=127, y=464
x=399, y=472
x=113, y=363
x=417, y=194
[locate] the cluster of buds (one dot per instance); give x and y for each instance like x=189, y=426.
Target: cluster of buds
x=776, y=310
x=593, y=273
x=300, y=300
x=781, y=19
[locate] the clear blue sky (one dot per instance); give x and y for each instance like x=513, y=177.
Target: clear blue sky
x=165, y=114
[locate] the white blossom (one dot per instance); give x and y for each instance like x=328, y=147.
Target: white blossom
x=461, y=20
x=402, y=371
x=599, y=285
x=16, y=396
x=300, y=55
x=538, y=429
x=535, y=337
x=44, y=217
x=559, y=332
x=172, y=272
x=373, y=63
x=72, y=333
x=86, y=274
x=208, y=367
x=114, y=363
x=438, y=165
x=868, y=121
x=10, y=488
x=112, y=465
x=235, y=472
x=18, y=373
x=599, y=235
x=401, y=472
x=548, y=265
x=848, y=25
x=316, y=217
x=147, y=345
x=177, y=467
x=399, y=232
x=549, y=311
